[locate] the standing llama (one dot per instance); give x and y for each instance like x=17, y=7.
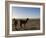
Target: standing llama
x=15, y=22
x=23, y=22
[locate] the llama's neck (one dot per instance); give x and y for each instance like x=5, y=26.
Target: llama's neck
x=26, y=20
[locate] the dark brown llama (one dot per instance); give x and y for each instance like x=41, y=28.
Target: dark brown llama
x=15, y=22
x=23, y=22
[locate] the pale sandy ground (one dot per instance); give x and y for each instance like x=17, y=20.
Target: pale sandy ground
x=30, y=25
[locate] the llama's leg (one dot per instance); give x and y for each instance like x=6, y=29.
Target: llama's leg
x=24, y=25
x=15, y=25
x=21, y=25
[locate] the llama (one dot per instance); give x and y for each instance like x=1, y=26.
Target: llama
x=15, y=22
x=23, y=22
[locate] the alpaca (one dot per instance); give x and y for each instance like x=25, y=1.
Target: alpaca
x=23, y=22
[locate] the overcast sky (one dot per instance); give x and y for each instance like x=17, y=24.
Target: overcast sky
x=25, y=12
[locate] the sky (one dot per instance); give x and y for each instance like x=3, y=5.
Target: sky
x=25, y=12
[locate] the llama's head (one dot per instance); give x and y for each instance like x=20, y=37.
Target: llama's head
x=14, y=19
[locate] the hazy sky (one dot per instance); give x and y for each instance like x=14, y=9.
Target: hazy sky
x=25, y=12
